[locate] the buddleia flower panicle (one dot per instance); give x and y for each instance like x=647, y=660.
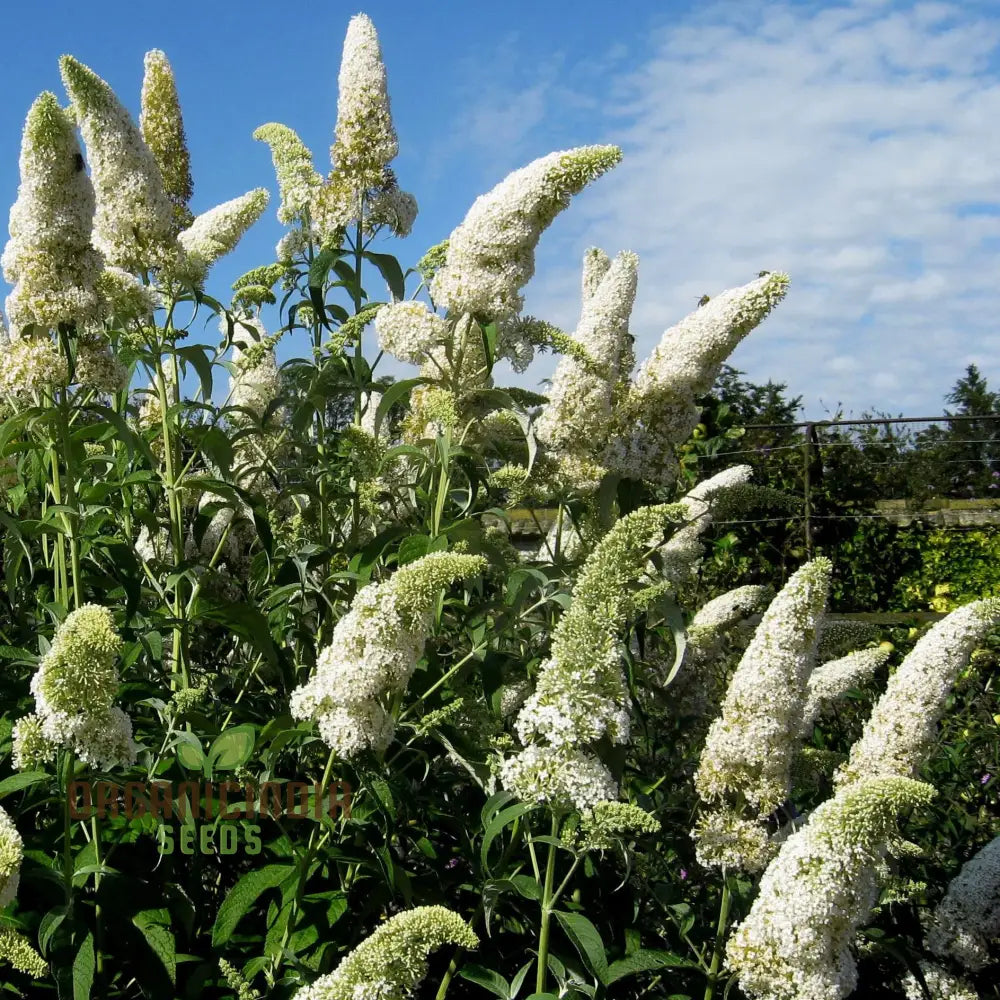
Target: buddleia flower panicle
x=362, y=188
x=216, y=232
x=608, y=823
x=903, y=725
x=390, y=964
x=127, y=298
x=596, y=264
x=722, y=613
x=49, y=258
x=683, y=550
x=750, y=747
x=581, y=693
x=75, y=687
x=941, y=985
x=835, y=678
x=97, y=367
x=491, y=255
x=16, y=949
x=660, y=411
x=236, y=982
x=967, y=921
x=11, y=852
x=409, y=330
x=795, y=944
x=579, y=413
x=134, y=221
x=32, y=748
x=162, y=128
x=29, y=365
x=564, y=777
x=373, y=652
x=298, y=180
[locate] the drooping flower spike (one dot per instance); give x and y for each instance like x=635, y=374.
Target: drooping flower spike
x=491, y=255
x=49, y=258
x=390, y=964
x=134, y=223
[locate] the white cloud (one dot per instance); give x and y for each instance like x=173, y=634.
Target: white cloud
x=838, y=143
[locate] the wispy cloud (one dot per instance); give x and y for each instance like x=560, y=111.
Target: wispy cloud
x=853, y=145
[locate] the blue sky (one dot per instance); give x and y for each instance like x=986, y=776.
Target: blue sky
x=852, y=144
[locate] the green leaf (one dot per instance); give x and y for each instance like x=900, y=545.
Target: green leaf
x=154, y=925
x=393, y=395
x=242, y=897
x=232, y=747
x=487, y=978
x=412, y=548
x=18, y=781
x=390, y=270
x=646, y=960
x=191, y=755
x=83, y=969
x=503, y=819
x=587, y=940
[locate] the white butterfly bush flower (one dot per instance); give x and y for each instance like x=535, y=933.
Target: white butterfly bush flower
x=834, y=678
x=795, y=944
x=373, y=652
x=298, y=180
x=491, y=255
x=75, y=687
x=409, y=330
x=581, y=695
x=29, y=365
x=134, y=221
x=563, y=777
x=660, y=411
x=14, y=947
x=362, y=188
x=580, y=410
x=902, y=727
x=49, y=258
x=745, y=766
x=941, y=985
x=257, y=381
x=390, y=964
x=724, y=611
x=216, y=232
x=967, y=921
x=683, y=549
x=162, y=128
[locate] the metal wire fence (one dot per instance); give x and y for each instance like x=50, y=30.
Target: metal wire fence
x=941, y=470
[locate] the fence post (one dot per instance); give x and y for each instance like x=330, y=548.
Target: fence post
x=806, y=487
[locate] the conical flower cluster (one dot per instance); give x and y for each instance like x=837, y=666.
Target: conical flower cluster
x=14, y=947
x=967, y=921
x=660, y=410
x=390, y=964
x=795, y=944
x=373, y=653
x=579, y=414
x=216, y=232
x=581, y=695
x=745, y=766
x=491, y=255
x=902, y=727
x=49, y=259
x=134, y=221
x=162, y=128
x=834, y=678
x=75, y=687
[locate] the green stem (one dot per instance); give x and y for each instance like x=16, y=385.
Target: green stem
x=547, y=904
x=67, y=830
x=720, y=939
x=98, y=921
